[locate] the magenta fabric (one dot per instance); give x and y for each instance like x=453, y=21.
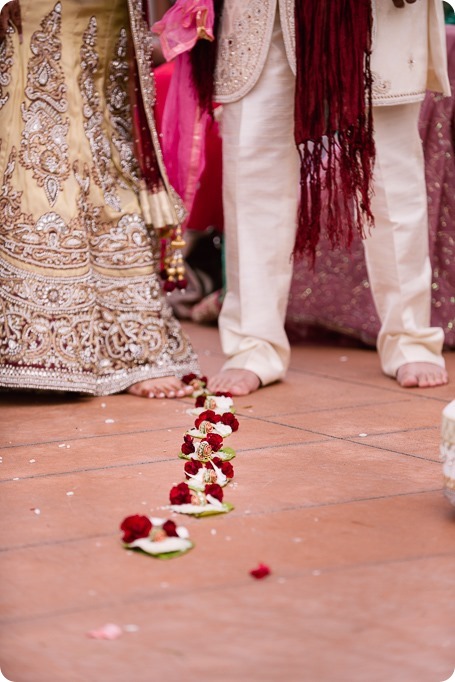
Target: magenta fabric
x=184, y=123
x=207, y=206
x=182, y=25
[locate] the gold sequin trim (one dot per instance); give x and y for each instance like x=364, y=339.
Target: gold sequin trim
x=6, y=62
x=93, y=123
x=118, y=104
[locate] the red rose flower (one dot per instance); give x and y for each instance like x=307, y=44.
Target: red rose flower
x=207, y=416
x=261, y=571
x=200, y=400
x=226, y=467
x=187, y=445
x=214, y=490
x=180, y=494
x=214, y=440
x=230, y=420
x=220, y=394
x=192, y=467
x=192, y=379
x=135, y=527
x=188, y=378
x=170, y=529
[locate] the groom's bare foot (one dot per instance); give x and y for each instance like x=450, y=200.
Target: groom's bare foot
x=163, y=387
x=422, y=375
x=234, y=381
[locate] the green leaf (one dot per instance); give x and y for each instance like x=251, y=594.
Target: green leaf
x=228, y=453
x=213, y=512
x=164, y=556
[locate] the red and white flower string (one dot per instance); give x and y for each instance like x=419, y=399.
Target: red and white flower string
x=207, y=471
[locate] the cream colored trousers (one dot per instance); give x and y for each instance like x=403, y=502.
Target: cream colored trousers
x=260, y=195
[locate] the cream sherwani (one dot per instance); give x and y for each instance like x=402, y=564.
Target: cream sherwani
x=255, y=80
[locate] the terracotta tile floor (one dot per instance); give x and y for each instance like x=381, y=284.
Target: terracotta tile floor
x=337, y=488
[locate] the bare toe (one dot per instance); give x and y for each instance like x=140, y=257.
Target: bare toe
x=421, y=375
x=235, y=381
x=162, y=387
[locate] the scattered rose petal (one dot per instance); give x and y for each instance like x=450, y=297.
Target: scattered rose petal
x=109, y=421
x=213, y=531
x=363, y=435
x=62, y=445
x=262, y=571
x=103, y=404
x=69, y=493
x=32, y=461
x=35, y=510
x=108, y=631
x=16, y=478
x=68, y=446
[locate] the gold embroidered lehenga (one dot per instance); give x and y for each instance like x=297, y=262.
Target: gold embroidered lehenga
x=80, y=294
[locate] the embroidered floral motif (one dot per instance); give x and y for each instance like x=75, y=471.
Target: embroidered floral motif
x=124, y=245
x=14, y=222
x=380, y=86
x=96, y=331
x=48, y=242
x=81, y=307
x=43, y=146
x=6, y=62
x=93, y=125
x=119, y=108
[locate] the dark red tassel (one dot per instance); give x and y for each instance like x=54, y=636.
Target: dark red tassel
x=333, y=120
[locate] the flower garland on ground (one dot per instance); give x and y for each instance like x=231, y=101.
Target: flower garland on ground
x=207, y=471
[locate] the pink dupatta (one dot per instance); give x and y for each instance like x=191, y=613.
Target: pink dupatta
x=184, y=121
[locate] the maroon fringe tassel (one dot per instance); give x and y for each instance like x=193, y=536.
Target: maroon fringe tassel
x=333, y=120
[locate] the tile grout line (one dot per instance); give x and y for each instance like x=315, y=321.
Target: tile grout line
x=163, y=596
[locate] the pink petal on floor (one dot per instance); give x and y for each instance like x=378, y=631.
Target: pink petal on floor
x=108, y=631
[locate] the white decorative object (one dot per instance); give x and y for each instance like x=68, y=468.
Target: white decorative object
x=448, y=450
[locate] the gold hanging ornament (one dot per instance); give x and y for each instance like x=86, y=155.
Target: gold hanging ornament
x=173, y=268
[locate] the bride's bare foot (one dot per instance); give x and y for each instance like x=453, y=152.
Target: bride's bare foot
x=422, y=375
x=234, y=381
x=163, y=387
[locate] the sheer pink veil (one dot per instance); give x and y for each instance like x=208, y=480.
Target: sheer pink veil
x=184, y=122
